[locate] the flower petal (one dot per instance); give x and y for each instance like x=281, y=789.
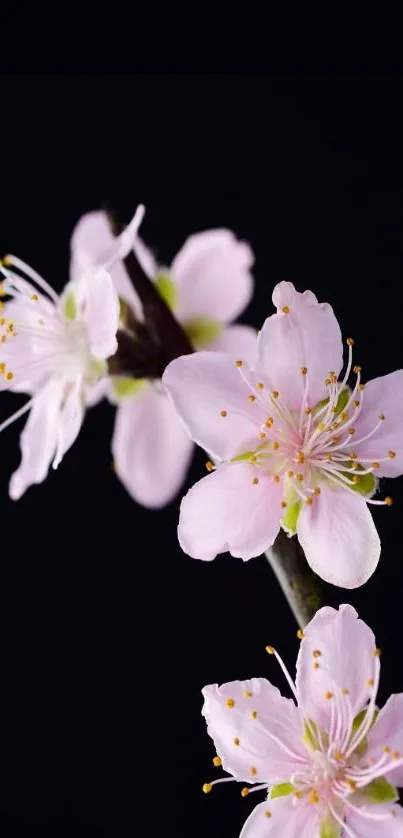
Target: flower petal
x=383, y=395
x=97, y=294
x=339, y=538
x=228, y=511
x=343, y=646
x=281, y=818
x=38, y=439
x=256, y=732
x=388, y=732
x=212, y=272
x=239, y=342
x=70, y=420
x=150, y=447
x=365, y=827
x=211, y=397
x=307, y=336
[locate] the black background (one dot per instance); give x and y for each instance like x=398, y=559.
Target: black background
x=107, y=631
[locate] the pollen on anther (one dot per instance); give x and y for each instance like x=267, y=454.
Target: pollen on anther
x=357, y=369
x=253, y=771
x=2, y=368
x=386, y=749
x=268, y=813
x=300, y=457
x=260, y=385
x=370, y=682
x=377, y=652
x=315, y=665
x=253, y=458
x=285, y=309
x=270, y=650
x=244, y=792
x=304, y=370
x=308, y=411
x=351, y=784
x=207, y=788
x=276, y=446
x=356, y=403
x=317, y=653
x=300, y=477
x=238, y=363
x=351, y=431
x=275, y=394
x=381, y=417
x=247, y=694
x=253, y=714
x=223, y=413
x=328, y=695
x=339, y=756
x=317, y=491
x=237, y=741
x=309, y=501
x=34, y=297
x=327, y=382
x=300, y=634
x=230, y=703
x=269, y=422
x=345, y=691
x=217, y=761
x=262, y=435
x=313, y=796
x=356, y=478
x=361, y=386
x=391, y=455
x=290, y=473
x=251, y=398
x=350, y=341
x=395, y=755
x=255, y=481
x=388, y=501
x=375, y=465
x=9, y=376
x=209, y=465
x=283, y=504
x=276, y=478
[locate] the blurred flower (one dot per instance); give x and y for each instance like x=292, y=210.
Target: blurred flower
x=329, y=762
x=207, y=286
x=292, y=445
x=55, y=348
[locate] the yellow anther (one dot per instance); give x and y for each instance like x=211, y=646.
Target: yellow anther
x=268, y=813
x=2, y=291
x=207, y=788
x=317, y=491
x=251, y=398
x=6, y=261
x=333, y=378
x=253, y=458
x=276, y=478
x=381, y=417
x=356, y=478
x=285, y=310
x=269, y=422
x=34, y=297
x=276, y=446
x=334, y=410
x=290, y=473
x=339, y=756
x=335, y=440
x=329, y=458
x=2, y=368
x=275, y=394
x=253, y=714
x=260, y=385
x=391, y=455
x=253, y=771
x=298, y=794
x=313, y=796
x=238, y=363
x=230, y=703
x=344, y=691
x=386, y=749
x=223, y=413
x=300, y=634
x=247, y=694
x=304, y=370
x=308, y=411
x=262, y=435
x=270, y=650
x=321, y=426
x=237, y=741
x=352, y=785
x=327, y=382
x=375, y=465
x=300, y=457
x=309, y=501
x=356, y=403
x=217, y=761
x=370, y=682
x=395, y=755
x=283, y=504
x=3, y=321
x=1, y=305
x=317, y=653
x=351, y=431
x=328, y=695
x=344, y=415
x=388, y=501
x=255, y=481
x=361, y=387
x=352, y=455
x=244, y=792
x=209, y=465
x=315, y=665
x=9, y=376
x=357, y=369
x=350, y=341
x=377, y=652
x=300, y=477
x=3, y=338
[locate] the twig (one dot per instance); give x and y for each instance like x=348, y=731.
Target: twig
x=301, y=587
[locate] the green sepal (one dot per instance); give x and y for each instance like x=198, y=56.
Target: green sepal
x=70, y=307
x=240, y=458
x=379, y=791
x=310, y=736
x=329, y=828
x=281, y=790
x=166, y=289
x=290, y=517
x=367, y=483
x=344, y=397
x=363, y=745
x=124, y=386
x=202, y=331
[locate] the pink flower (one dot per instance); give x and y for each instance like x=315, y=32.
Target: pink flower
x=207, y=286
x=292, y=445
x=329, y=761
x=55, y=348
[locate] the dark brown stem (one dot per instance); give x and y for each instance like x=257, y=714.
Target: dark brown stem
x=302, y=589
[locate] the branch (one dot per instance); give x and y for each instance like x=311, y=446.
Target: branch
x=302, y=589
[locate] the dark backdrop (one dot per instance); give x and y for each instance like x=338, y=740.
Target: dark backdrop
x=107, y=631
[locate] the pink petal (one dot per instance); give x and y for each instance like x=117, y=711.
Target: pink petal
x=388, y=731
x=285, y=294
x=212, y=271
x=285, y=820
x=307, y=336
x=101, y=312
x=346, y=661
x=227, y=511
x=339, y=538
x=382, y=395
x=69, y=422
x=150, y=447
x=364, y=827
x=239, y=342
x=277, y=717
x=201, y=386
x=38, y=440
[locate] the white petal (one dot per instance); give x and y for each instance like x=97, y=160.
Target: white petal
x=38, y=440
